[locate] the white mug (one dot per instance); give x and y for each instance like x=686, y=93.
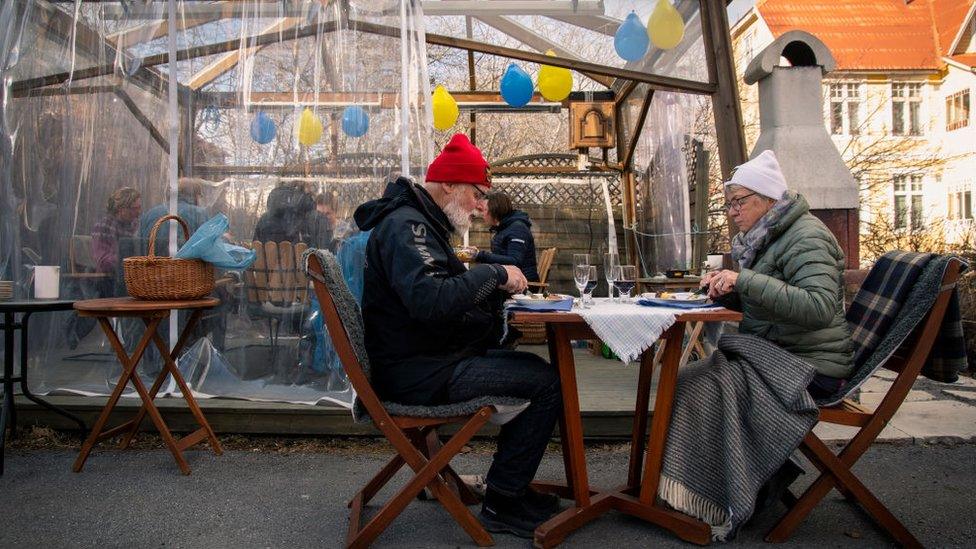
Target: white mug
x=47, y=281
x=714, y=262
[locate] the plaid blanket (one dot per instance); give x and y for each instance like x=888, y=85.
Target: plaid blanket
x=737, y=417
x=885, y=293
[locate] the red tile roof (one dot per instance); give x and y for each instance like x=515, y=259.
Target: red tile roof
x=968, y=59
x=873, y=34
x=949, y=17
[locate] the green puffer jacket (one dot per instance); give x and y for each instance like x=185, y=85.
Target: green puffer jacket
x=794, y=293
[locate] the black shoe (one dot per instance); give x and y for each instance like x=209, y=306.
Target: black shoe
x=776, y=487
x=544, y=505
x=509, y=515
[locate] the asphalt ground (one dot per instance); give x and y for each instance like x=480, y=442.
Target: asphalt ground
x=281, y=493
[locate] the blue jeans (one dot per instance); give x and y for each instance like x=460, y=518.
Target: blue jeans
x=523, y=440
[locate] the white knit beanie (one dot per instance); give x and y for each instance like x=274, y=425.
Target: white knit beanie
x=761, y=174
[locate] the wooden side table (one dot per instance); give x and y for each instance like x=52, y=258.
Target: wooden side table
x=152, y=314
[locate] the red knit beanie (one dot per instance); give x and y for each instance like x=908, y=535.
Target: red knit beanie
x=460, y=162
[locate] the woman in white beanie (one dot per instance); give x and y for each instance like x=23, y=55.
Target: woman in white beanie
x=790, y=283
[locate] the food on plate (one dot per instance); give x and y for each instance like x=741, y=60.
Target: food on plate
x=539, y=297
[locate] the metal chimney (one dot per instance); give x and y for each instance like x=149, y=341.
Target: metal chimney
x=791, y=125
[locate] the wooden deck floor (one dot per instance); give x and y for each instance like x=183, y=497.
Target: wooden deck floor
x=607, y=390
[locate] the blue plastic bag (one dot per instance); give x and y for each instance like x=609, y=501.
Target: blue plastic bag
x=207, y=243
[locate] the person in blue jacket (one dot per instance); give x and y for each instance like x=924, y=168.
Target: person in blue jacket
x=512, y=243
x=431, y=329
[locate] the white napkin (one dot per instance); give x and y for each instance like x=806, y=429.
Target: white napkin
x=627, y=328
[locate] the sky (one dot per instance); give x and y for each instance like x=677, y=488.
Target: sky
x=738, y=8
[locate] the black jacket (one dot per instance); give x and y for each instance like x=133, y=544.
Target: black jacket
x=513, y=244
x=423, y=311
x=286, y=218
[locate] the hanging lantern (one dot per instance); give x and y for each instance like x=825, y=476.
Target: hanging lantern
x=309, y=128
x=263, y=128
x=665, y=26
x=516, y=86
x=555, y=83
x=631, y=39
x=445, y=108
x=355, y=121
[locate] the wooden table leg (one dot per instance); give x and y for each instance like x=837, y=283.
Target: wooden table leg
x=573, y=441
x=128, y=368
x=554, y=530
x=663, y=403
x=553, y=361
x=639, y=433
x=170, y=368
x=693, y=343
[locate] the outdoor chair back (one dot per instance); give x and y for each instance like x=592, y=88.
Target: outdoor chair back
x=411, y=430
x=276, y=287
x=895, y=324
x=545, y=263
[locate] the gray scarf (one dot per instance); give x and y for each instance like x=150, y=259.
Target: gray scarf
x=746, y=246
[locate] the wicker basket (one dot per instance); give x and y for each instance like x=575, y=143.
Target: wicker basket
x=158, y=278
x=533, y=333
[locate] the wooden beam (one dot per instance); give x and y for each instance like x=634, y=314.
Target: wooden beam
x=531, y=39
x=181, y=55
x=147, y=32
x=596, y=23
x=721, y=70
x=659, y=82
x=431, y=8
x=385, y=100
x=228, y=60
x=628, y=158
x=666, y=83
x=156, y=135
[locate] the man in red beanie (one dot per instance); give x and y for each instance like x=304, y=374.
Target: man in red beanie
x=431, y=325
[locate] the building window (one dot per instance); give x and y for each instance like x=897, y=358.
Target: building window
x=960, y=204
x=908, y=201
x=906, y=108
x=845, y=104
x=957, y=110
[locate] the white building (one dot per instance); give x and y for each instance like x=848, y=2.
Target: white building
x=897, y=105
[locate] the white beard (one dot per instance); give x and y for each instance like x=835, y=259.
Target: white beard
x=457, y=216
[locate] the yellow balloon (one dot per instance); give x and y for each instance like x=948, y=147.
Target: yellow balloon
x=665, y=26
x=445, y=109
x=309, y=128
x=555, y=83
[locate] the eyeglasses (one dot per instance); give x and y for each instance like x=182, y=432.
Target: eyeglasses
x=482, y=195
x=736, y=203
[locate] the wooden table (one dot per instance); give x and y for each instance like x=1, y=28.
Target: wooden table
x=152, y=314
x=637, y=496
x=25, y=308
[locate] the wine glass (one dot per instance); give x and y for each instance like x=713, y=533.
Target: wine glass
x=579, y=261
x=591, y=283
x=611, y=268
x=626, y=281
x=581, y=273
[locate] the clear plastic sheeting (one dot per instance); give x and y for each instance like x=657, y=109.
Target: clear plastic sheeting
x=661, y=164
x=289, y=115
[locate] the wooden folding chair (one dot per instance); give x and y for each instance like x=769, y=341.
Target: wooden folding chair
x=835, y=470
x=545, y=263
x=412, y=430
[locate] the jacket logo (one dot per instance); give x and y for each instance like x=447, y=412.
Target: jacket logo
x=420, y=242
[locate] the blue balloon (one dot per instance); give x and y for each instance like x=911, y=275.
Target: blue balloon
x=355, y=121
x=263, y=128
x=631, y=39
x=516, y=86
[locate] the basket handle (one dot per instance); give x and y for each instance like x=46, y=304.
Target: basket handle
x=158, y=224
